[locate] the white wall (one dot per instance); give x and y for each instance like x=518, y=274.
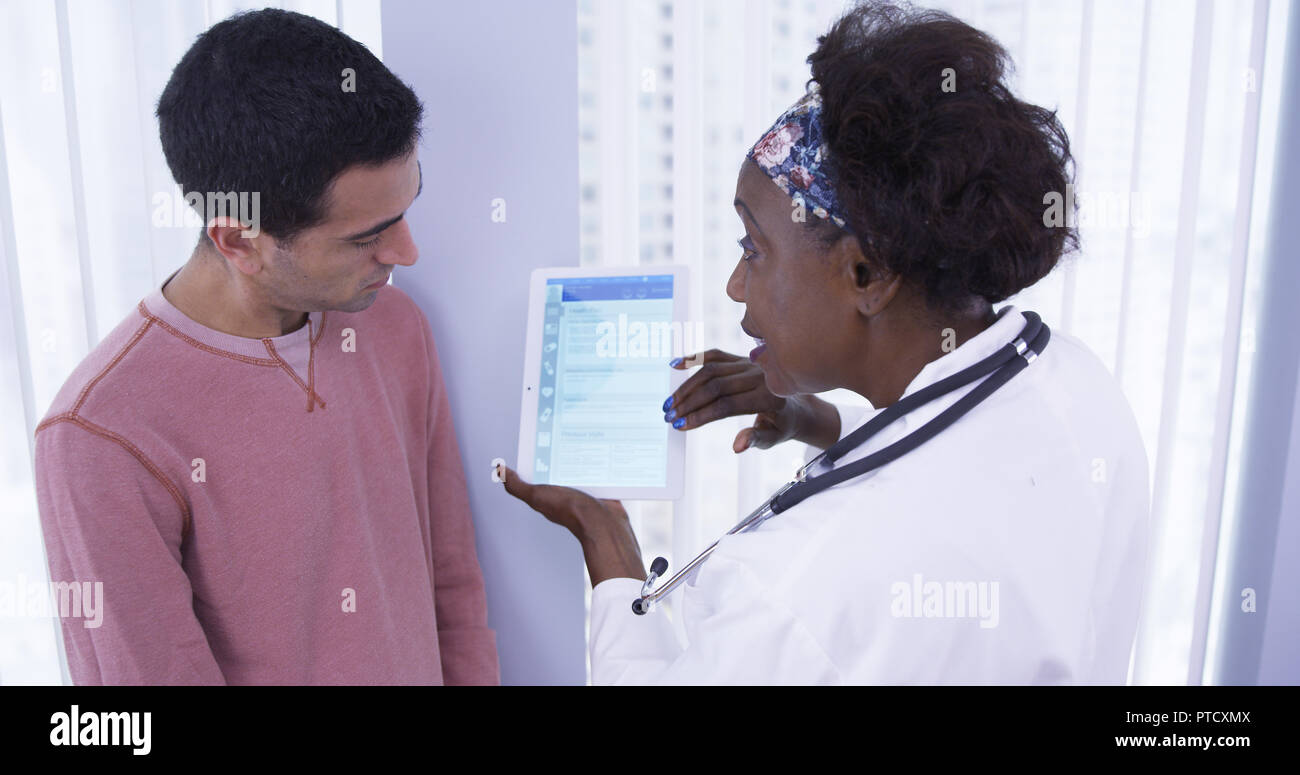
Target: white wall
x=1264, y=552
x=1279, y=661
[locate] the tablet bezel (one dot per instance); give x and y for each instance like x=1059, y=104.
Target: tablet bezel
x=672, y=490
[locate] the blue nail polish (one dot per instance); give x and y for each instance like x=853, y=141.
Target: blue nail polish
x=668, y=403
x=679, y=422
x=675, y=362
x=672, y=415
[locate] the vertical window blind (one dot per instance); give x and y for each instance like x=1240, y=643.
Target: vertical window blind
x=1171, y=108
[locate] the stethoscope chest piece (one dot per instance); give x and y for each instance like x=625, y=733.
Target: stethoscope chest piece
x=645, y=604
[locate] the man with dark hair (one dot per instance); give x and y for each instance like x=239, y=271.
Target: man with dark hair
x=259, y=463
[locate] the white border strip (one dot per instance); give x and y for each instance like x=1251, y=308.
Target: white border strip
x=76, y=175
x=617, y=95
x=688, y=211
x=1069, y=284
x=1135, y=180
x=1231, y=346
x=9, y=256
x=143, y=108
x=1184, y=254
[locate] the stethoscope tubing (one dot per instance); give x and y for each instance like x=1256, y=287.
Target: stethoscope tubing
x=1002, y=365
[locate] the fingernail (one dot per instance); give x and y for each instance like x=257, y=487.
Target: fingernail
x=675, y=362
x=679, y=422
x=672, y=415
x=668, y=403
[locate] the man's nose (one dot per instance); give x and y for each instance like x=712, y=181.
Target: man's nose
x=402, y=249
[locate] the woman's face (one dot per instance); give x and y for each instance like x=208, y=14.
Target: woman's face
x=799, y=296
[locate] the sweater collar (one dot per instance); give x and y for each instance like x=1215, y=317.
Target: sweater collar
x=290, y=345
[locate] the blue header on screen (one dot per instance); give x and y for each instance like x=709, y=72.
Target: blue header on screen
x=655, y=286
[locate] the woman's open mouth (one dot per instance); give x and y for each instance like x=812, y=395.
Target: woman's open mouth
x=758, y=340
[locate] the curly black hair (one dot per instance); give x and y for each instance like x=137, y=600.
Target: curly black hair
x=942, y=173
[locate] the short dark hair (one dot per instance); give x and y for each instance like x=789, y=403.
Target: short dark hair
x=946, y=186
x=258, y=104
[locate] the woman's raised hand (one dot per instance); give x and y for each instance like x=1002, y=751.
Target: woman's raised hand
x=729, y=385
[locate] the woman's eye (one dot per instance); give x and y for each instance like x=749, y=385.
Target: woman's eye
x=747, y=252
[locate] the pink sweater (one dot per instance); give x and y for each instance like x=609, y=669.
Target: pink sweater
x=289, y=510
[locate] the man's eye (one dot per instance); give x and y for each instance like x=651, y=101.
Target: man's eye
x=368, y=243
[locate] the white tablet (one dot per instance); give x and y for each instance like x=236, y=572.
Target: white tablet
x=596, y=376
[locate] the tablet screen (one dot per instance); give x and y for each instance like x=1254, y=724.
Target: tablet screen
x=606, y=343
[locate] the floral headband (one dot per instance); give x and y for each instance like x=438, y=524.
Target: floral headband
x=795, y=157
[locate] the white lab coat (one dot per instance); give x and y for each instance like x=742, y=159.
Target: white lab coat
x=1042, y=488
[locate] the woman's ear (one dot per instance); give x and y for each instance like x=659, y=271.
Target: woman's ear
x=872, y=284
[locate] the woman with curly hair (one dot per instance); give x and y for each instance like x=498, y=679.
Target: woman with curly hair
x=886, y=214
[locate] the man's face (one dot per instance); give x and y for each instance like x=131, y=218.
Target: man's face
x=342, y=262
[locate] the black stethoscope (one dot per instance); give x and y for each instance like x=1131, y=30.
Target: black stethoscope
x=1000, y=367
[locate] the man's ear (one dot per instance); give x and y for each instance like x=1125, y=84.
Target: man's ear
x=872, y=284
x=230, y=238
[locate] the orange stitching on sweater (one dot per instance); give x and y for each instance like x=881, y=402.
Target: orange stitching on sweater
x=312, y=398
x=311, y=370
x=200, y=345
x=85, y=391
x=311, y=361
x=320, y=330
x=51, y=420
x=187, y=522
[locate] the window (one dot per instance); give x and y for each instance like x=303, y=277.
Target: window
x=1129, y=79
